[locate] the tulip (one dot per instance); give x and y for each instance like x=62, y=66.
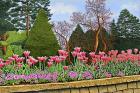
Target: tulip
x=92, y=54
x=65, y=67
x=31, y=61
x=129, y=51
x=42, y=59
x=58, y=60
x=8, y=62
x=74, y=54
x=1, y=64
x=20, y=59
x=1, y=60
x=15, y=56
x=11, y=58
x=136, y=50
x=49, y=64
x=26, y=53
x=77, y=49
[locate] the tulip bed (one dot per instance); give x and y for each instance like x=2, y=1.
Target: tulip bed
x=85, y=66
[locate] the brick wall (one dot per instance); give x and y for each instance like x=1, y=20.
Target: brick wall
x=132, y=87
x=127, y=84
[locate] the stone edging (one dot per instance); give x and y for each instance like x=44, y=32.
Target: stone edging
x=67, y=85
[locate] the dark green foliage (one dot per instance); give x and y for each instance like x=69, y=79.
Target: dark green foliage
x=4, y=24
x=19, y=12
x=128, y=28
x=113, y=34
x=41, y=40
x=90, y=38
x=128, y=25
x=77, y=39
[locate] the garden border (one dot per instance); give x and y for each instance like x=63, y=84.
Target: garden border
x=68, y=85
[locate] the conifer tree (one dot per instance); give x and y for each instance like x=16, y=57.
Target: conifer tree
x=77, y=39
x=23, y=12
x=41, y=40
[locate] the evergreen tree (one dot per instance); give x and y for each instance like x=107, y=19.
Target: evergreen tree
x=23, y=12
x=77, y=38
x=90, y=40
x=5, y=25
x=41, y=40
x=128, y=27
x=113, y=34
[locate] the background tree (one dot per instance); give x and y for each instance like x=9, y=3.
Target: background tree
x=77, y=38
x=23, y=12
x=128, y=27
x=63, y=31
x=90, y=40
x=95, y=18
x=42, y=41
x=113, y=34
x=5, y=25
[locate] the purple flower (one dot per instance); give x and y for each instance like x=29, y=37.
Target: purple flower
x=26, y=77
x=48, y=77
x=73, y=74
x=120, y=74
x=9, y=77
x=33, y=76
x=16, y=77
x=87, y=75
x=54, y=76
x=108, y=75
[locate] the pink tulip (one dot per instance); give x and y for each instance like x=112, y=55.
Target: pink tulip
x=1, y=64
x=31, y=61
x=101, y=53
x=83, y=53
x=65, y=67
x=8, y=62
x=15, y=56
x=63, y=58
x=20, y=59
x=129, y=51
x=49, y=64
x=26, y=53
x=1, y=60
x=74, y=54
x=77, y=49
x=11, y=59
x=136, y=50
x=42, y=59
x=53, y=58
x=58, y=60
x=92, y=54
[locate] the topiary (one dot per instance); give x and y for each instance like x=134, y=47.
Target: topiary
x=41, y=40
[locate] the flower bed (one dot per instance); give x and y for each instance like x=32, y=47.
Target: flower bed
x=85, y=66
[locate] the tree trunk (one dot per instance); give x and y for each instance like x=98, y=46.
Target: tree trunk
x=27, y=20
x=68, y=50
x=103, y=39
x=4, y=47
x=27, y=25
x=97, y=39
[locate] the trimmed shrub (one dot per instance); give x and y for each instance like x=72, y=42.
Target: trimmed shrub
x=42, y=40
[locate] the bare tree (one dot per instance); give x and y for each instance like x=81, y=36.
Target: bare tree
x=63, y=31
x=95, y=18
